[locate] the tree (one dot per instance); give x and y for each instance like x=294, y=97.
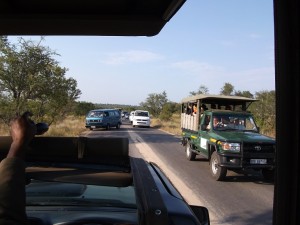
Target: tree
x=82, y=108
x=246, y=94
x=30, y=79
x=154, y=103
x=227, y=89
x=264, y=111
x=168, y=110
x=202, y=90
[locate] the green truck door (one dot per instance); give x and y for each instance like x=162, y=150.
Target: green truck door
x=203, y=136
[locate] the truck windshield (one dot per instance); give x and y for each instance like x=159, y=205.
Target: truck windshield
x=234, y=122
x=145, y=114
x=95, y=114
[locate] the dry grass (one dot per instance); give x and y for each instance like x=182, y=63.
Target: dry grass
x=73, y=126
x=171, y=126
x=4, y=129
x=271, y=134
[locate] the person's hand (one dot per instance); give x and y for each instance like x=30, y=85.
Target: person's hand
x=22, y=132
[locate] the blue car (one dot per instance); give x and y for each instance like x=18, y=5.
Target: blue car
x=103, y=118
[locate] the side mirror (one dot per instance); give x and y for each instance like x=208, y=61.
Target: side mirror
x=201, y=213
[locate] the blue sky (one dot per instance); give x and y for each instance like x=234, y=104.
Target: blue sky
x=206, y=43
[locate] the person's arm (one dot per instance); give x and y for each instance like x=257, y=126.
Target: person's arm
x=12, y=191
x=12, y=173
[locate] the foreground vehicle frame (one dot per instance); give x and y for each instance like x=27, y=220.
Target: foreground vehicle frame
x=93, y=180
x=286, y=21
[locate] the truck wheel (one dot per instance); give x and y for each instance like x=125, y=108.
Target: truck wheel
x=268, y=174
x=107, y=126
x=217, y=172
x=189, y=154
x=118, y=126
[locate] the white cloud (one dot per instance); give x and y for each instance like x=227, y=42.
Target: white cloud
x=196, y=67
x=133, y=56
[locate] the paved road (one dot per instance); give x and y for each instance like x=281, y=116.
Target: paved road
x=239, y=200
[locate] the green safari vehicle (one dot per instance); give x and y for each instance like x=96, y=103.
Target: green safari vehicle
x=224, y=132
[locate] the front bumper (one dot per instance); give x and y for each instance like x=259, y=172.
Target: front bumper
x=145, y=123
x=254, y=161
x=95, y=125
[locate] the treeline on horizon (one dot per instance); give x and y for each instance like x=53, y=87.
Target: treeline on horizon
x=160, y=107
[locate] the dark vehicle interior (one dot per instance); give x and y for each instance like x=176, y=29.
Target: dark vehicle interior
x=147, y=18
x=91, y=17
x=82, y=180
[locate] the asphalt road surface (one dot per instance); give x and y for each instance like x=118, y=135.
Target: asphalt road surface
x=240, y=199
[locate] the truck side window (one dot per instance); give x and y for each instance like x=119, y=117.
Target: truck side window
x=189, y=109
x=207, y=122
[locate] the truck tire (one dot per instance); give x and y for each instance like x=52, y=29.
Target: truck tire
x=118, y=126
x=108, y=126
x=268, y=174
x=189, y=154
x=217, y=172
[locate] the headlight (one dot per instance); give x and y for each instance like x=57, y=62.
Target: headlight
x=234, y=147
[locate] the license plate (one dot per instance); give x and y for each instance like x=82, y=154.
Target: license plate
x=93, y=126
x=258, y=161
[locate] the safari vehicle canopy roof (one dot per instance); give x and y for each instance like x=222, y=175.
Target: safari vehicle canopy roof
x=89, y=17
x=213, y=98
x=220, y=100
